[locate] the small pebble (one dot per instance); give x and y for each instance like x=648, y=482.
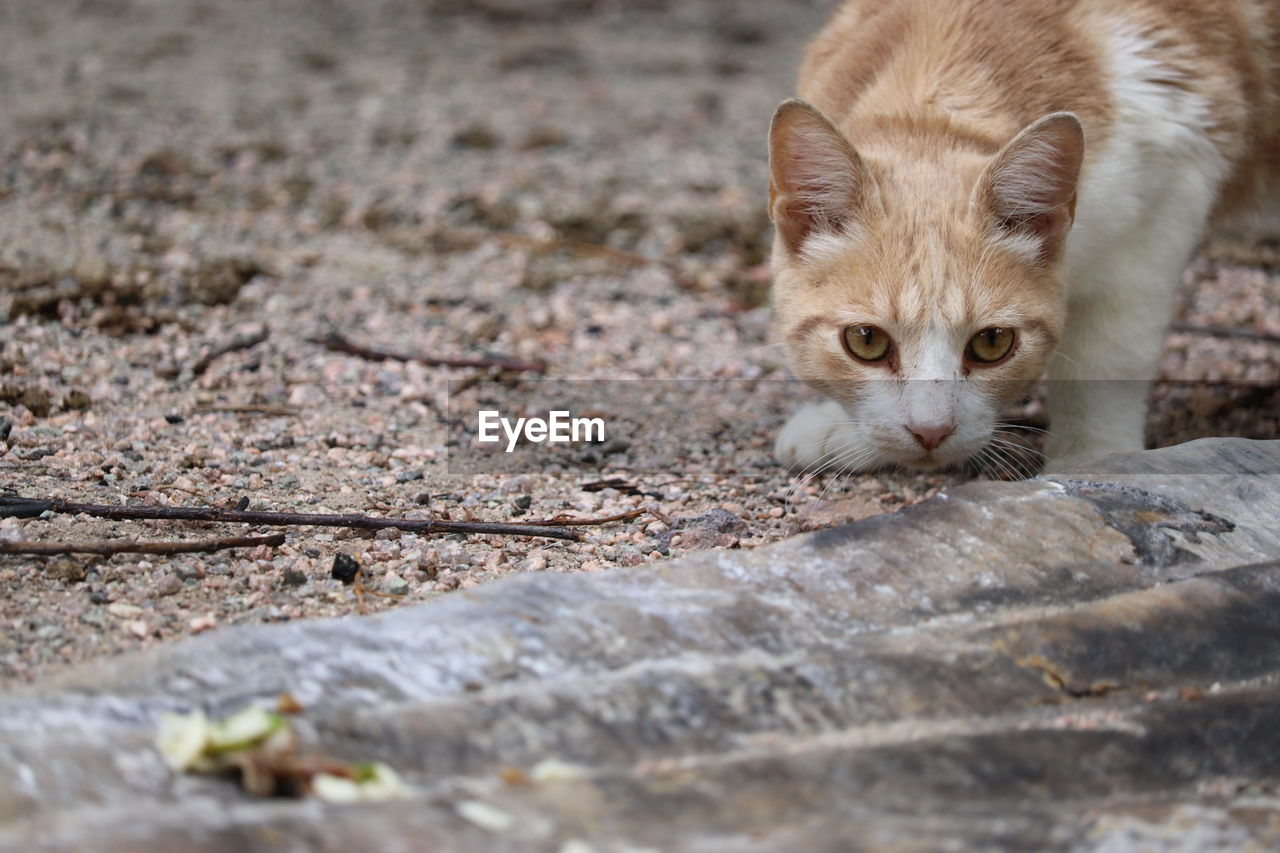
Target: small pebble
x=345, y=568
x=485, y=816
x=189, y=571
x=168, y=585
x=395, y=584
x=535, y=562
x=293, y=578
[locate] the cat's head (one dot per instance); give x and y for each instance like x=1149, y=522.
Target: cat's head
x=920, y=286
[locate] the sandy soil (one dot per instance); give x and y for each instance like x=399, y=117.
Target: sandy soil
x=430, y=177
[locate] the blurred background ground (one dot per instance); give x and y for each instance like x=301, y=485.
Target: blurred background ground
x=431, y=176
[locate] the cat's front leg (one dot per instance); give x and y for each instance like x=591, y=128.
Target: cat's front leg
x=1101, y=375
x=820, y=437
x=1091, y=418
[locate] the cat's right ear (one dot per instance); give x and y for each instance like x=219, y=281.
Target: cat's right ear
x=1030, y=188
x=817, y=181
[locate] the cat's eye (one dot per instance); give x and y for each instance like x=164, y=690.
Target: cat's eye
x=990, y=346
x=867, y=343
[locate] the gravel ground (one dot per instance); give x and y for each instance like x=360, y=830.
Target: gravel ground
x=181, y=178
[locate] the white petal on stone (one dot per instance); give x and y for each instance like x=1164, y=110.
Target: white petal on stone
x=485, y=816
x=182, y=739
x=335, y=789
x=554, y=770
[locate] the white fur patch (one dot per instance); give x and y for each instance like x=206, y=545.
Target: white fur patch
x=1144, y=201
x=823, y=248
x=1023, y=247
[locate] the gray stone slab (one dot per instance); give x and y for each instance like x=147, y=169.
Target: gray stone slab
x=1065, y=663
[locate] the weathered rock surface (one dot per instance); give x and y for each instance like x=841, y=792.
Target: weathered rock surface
x=1083, y=662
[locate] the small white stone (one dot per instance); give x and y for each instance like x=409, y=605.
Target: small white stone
x=124, y=611
x=555, y=770
x=485, y=816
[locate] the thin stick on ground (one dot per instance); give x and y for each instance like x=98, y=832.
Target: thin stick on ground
x=337, y=343
x=240, y=342
x=471, y=237
x=18, y=507
x=251, y=409
x=571, y=521
x=108, y=547
x=1224, y=332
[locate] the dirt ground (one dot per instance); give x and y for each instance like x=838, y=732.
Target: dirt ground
x=192, y=193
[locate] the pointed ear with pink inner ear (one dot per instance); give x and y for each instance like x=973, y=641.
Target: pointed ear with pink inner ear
x=1029, y=189
x=818, y=183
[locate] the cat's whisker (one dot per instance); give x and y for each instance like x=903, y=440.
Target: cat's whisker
x=825, y=460
x=993, y=465
x=851, y=465
x=1003, y=468
x=847, y=465
x=1062, y=355
x=1009, y=453
x=818, y=466
x=1020, y=451
x=838, y=455
x=1011, y=441
x=984, y=462
x=1003, y=426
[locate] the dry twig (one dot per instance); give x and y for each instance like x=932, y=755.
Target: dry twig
x=337, y=343
x=107, y=547
x=1224, y=332
x=467, y=237
x=571, y=521
x=277, y=411
x=17, y=507
x=240, y=342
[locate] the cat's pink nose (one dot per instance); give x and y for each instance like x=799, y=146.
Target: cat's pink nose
x=929, y=436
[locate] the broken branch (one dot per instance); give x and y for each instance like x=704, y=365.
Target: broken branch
x=568, y=520
x=108, y=547
x=469, y=238
x=337, y=343
x=1224, y=332
x=240, y=342
x=276, y=411
x=29, y=508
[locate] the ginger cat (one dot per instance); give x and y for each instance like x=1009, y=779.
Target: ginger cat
x=972, y=192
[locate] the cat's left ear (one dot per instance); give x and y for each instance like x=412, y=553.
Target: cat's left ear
x=1029, y=189
x=817, y=182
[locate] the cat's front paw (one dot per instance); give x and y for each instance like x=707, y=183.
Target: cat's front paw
x=816, y=437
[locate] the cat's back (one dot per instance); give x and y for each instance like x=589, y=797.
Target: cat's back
x=1210, y=67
